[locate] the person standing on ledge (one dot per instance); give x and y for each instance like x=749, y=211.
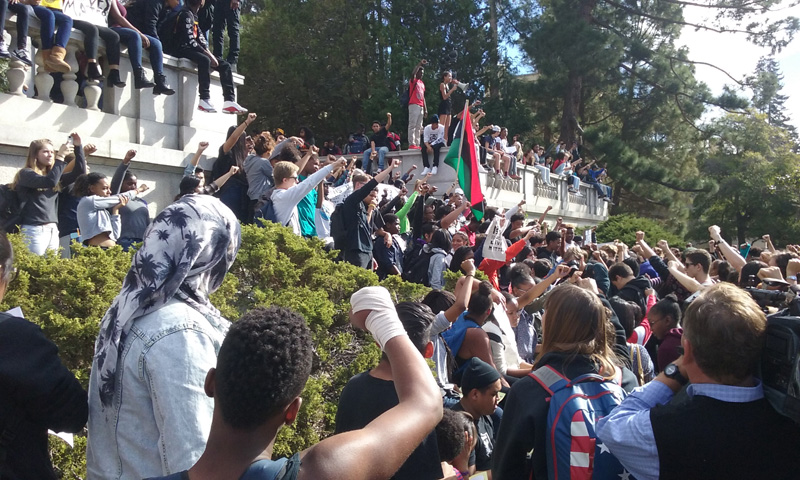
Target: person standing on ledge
x=417, y=108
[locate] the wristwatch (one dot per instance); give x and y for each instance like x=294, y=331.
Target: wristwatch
x=672, y=371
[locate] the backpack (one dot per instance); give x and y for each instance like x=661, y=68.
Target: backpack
x=779, y=364
x=358, y=145
x=415, y=265
x=394, y=141
x=635, y=356
x=10, y=209
x=168, y=31
x=265, y=208
x=338, y=228
x=575, y=406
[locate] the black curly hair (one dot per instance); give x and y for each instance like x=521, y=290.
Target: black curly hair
x=263, y=365
x=450, y=433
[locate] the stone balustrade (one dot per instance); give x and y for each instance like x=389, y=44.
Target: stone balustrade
x=163, y=121
x=165, y=130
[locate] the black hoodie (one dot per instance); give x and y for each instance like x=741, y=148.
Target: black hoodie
x=633, y=291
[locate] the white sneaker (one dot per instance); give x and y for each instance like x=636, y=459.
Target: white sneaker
x=481, y=169
x=205, y=106
x=233, y=107
x=434, y=170
x=577, y=193
x=425, y=171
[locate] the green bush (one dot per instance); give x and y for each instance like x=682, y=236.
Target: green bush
x=68, y=298
x=624, y=228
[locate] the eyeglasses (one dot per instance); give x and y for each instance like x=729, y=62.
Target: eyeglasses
x=12, y=275
x=687, y=264
x=294, y=178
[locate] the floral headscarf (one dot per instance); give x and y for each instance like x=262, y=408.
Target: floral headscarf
x=186, y=253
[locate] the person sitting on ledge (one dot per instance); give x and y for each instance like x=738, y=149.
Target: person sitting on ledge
x=189, y=42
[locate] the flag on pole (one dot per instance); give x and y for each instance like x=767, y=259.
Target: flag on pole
x=463, y=157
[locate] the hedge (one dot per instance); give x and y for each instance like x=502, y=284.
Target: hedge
x=624, y=228
x=68, y=297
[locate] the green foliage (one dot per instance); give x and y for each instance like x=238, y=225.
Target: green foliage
x=3, y=78
x=624, y=228
x=342, y=63
x=68, y=298
x=759, y=177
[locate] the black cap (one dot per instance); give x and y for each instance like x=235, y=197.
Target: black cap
x=478, y=374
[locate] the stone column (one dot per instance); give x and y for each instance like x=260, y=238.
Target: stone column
x=43, y=79
x=92, y=92
x=69, y=85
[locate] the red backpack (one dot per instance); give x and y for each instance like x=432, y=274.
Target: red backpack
x=394, y=141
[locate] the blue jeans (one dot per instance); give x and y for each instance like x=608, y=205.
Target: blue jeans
x=545, y=172
x=39, y=238
x=367, y=163
x=22, y=12
x=602, y=190
x=560, y=169
x=48, y=19
x=134, y=43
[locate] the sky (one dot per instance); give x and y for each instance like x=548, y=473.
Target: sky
x=731, y=52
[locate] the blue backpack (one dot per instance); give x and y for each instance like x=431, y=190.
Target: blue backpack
x=265, y=208
x=573, y=451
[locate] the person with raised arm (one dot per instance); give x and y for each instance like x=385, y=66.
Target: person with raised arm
x=288, y=192
x=417, y=107
x=38, y=185
x=98, y=227
x=253, y=399
x=134, y=216
x=358, y=226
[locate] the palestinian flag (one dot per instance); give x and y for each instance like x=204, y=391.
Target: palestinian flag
x=463, y=157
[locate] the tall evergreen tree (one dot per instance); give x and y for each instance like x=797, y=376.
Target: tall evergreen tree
x=767, y=84
x=626, y=88
x=759, y=177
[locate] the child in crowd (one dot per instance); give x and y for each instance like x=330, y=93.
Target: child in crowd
x=98, y=227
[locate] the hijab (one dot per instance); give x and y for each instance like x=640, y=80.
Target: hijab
x=186, y=253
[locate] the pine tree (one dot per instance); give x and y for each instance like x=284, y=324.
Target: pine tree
x=767, y=84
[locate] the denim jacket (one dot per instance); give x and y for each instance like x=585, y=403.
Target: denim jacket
x=160, y=416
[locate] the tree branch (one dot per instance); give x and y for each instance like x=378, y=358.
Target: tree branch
x=686, y=60
x=745, y=7
x=634, y=11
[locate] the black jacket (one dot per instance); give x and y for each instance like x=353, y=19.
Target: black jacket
x=147, y=15
x=633, y=291
x=38, y=390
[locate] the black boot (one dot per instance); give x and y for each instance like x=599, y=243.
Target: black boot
x=161, y=87
x=140, y=80
x=114, y=80
x=93, y=71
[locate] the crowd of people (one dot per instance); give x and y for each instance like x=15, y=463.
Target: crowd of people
x=663, y=344
x=660, y=346
x=180, y=29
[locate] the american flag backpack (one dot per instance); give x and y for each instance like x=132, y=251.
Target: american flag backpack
x=573, y=450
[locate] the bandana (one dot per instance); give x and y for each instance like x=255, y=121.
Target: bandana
x=186, y=253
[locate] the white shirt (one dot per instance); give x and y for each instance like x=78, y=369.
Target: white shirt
x=429, y=135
